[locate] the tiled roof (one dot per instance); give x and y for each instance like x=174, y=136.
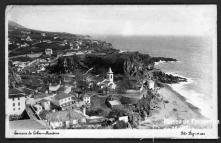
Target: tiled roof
x=15, y=93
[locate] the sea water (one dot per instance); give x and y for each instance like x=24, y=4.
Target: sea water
x=194, y=55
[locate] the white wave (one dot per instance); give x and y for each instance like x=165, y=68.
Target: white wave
x=195, y=98
x=189, y=80
x=160, y=62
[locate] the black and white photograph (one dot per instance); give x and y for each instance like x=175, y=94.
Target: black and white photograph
x=111, y=71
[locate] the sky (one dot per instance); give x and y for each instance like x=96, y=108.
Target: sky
x=123, y=20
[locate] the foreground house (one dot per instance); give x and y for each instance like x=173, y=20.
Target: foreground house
x=16, y=102
x=65, y=118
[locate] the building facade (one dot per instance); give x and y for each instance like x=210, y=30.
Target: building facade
x=65, y=101
x=16, y=102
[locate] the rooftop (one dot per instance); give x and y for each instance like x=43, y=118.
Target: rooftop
x=27, y=90
x=40, y=95
x=43, y=100
x=15, y=93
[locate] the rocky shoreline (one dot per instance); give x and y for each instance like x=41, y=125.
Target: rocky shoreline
x=131, y=64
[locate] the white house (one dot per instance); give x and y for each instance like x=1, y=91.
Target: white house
x=48, y=51
x=87, y=99
x=151, y=84
x=65, y=101
x=46, y=104
x=28, y=38
x=16, y=102
x=43, y=34
x=123, y=118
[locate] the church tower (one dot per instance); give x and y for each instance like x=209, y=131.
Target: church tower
x=110, y=75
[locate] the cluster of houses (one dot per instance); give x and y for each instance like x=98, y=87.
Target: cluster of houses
x=35, y=66
x=59, y=106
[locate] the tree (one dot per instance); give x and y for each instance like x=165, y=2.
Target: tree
x=118, y=112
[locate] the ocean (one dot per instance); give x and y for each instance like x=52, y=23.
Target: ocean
x=195, y=62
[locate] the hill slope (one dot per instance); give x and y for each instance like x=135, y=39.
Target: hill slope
x=26, y=41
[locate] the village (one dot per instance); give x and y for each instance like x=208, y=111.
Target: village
x=63, y=104
x=42, y=96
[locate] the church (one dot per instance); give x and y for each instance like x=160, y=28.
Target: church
x=109, y=81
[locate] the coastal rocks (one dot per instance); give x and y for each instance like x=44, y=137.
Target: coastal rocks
x=132, y=64
x=158, y=59
x=167, y=78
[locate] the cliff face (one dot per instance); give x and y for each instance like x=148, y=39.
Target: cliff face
x=132, y=63
x=136, y=65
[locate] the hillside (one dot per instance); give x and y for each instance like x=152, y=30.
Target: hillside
x=27, y=41
x=78, y=52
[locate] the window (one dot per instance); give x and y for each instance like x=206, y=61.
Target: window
x=13, y=109
x=18, y=103
x=13, y=99
x=18, y=108
x=13, y=104
x=18, y=98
